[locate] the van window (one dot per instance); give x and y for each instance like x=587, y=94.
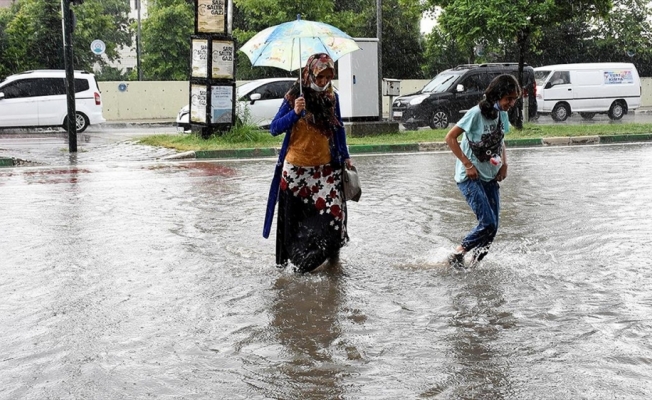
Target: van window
x=474, y=83
x=57, y=86
x=81, y=85
x=560, y=78
x=440, y=83
x=51, y=86
x=540, y=77
x=20, y=89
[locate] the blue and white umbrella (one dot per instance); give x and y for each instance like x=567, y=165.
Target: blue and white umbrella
x=288, y=45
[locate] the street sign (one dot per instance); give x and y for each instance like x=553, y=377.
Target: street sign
x=98, y=47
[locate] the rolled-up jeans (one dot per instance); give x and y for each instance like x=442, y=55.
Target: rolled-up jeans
x=484, y=199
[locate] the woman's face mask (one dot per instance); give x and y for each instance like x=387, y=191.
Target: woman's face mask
x=317, y=88
x=323, y=78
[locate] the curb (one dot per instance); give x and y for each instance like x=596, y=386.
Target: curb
x=423, y=147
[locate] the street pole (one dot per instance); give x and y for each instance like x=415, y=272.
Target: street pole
x=140, y=71
x=379, y=35
x=71, y=126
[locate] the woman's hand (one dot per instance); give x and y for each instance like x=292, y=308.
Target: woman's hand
x=348, y=163
x=299, y=105
x=472, y=172
x=502, y=173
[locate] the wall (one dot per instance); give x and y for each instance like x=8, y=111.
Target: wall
x=162, y=100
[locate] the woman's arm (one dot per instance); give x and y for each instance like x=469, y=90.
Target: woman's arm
x=340, y=132
x=284, y=119
x=451, y=141
x=502, y=172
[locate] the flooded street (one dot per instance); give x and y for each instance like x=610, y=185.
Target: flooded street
x=140, y=279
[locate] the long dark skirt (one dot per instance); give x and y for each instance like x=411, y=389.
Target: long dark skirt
x=311, y=224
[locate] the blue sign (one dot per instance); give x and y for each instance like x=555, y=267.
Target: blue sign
x=122, y=87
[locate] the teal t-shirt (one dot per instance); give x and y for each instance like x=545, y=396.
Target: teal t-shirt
x=474, y=125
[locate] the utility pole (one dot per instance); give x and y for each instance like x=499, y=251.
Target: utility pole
x=138, y=45
x=68, y=26
x=379, y=35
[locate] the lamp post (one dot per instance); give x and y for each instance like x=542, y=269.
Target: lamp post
x=379, y=35
x=68, y=26
x=140, y=71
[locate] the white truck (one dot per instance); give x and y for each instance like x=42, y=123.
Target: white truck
x=588, y=89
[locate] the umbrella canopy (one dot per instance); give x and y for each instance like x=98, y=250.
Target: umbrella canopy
x=288, y=45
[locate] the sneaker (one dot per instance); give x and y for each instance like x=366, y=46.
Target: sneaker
x=456, y=260
x=477, y=256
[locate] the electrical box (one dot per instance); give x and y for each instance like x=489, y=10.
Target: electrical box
x=359, y=83
x=391, y=87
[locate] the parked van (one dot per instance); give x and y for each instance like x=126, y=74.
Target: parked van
x=588, y=89
x=450, y=94
x=38, y=99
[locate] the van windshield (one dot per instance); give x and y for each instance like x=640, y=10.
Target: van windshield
x=441, y=83
x=540, y=77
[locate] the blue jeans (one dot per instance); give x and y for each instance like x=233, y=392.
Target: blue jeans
x=484, y=200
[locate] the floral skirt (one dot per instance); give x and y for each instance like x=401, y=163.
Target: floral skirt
x=311, y=224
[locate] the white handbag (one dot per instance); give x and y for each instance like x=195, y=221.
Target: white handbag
x=351, y=183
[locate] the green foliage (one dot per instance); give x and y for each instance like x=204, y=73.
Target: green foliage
x=32, y=35
x=166, y=41
x=258, y=139
x=442, y=52
x=510, y=24
x=401, y=50
x=111, y=74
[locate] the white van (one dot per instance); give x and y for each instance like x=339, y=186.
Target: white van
x=588, y=89
x=38, y=99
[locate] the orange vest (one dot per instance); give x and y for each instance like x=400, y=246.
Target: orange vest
x=308, y=147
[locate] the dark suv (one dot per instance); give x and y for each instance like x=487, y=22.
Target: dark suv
x=454, y=91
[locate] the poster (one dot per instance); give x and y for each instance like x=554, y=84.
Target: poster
x=211, y=16
x=222, y=59
x=200, y=58
x=198, y=104
x=616, y=77
x=221, y=104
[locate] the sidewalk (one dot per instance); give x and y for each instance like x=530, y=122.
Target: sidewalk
x=171, y=122
x=120, y=146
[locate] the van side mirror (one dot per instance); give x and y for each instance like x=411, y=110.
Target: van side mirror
x=254, y=97
x=459, y=88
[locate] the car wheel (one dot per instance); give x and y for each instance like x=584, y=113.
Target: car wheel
x=587, y=115
x=561, y=112
x=617, y=110
x=81, y=122
x=439, y=119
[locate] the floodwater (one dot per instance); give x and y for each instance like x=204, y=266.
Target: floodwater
x=134, y=280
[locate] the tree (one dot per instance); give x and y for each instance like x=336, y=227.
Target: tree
x=401, y=49
x=32, y=35
x=500, y=22
x=166, y=40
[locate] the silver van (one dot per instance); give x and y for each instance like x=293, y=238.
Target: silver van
x=38, y=99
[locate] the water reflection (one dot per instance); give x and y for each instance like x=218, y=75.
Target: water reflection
x=479, y=320
x=305, y=321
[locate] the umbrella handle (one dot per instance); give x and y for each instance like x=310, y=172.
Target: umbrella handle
x=303, y=112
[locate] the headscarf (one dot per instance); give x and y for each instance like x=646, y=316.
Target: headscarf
x=320, y=106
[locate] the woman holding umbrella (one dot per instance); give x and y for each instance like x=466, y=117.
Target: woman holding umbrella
x=307, y=183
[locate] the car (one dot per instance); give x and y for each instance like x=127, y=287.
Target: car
x=38, y=99
x=258, y=102
x=454, y=91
